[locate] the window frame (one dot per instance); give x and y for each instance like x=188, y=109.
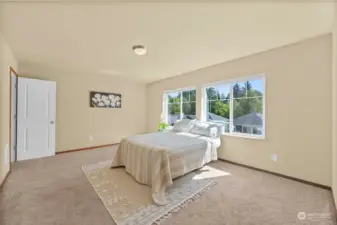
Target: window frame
x=231, y=82
x=165, y=101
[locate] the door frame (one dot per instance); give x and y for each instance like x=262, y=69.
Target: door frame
x=11, y=72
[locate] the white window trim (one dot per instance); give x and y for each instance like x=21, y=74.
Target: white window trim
x=165, y=102
x=231, y=82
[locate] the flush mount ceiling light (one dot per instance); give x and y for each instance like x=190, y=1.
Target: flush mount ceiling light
x=139, y=49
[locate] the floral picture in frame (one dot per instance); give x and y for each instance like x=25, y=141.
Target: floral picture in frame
x=105, y=100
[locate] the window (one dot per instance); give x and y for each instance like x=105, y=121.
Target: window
x=238, y=105
x=218, y=104
x=180, y=104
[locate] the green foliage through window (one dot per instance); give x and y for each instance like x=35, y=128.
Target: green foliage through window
x=247, y=102
x=181, y=103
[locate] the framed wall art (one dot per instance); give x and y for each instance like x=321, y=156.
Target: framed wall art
x=105, y=100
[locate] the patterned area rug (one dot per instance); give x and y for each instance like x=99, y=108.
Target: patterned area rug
x=130, y=203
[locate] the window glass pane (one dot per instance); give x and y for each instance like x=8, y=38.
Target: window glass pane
x=189, y=110
x=218, y=111
x=192, y=95
x=255, y=130
x=248, y=116
x=255, y=88
x=176, y=108
x=186, y=96
x=220, y=91
x=212, y=93
x=173, y=113
x=247, y=105
x=238, y=129
x=240, y=90
x=173, y=97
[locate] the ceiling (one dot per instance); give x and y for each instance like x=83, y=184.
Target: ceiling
x=97, y=38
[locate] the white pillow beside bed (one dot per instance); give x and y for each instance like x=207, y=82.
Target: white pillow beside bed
x=206, y=129
x=183, y=125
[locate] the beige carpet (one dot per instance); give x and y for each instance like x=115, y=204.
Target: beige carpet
x=130, y=203
x=55, y=191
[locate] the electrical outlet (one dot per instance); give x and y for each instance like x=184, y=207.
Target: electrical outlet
x=273, y=157
x=91, y=138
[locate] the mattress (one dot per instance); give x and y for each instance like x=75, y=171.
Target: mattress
x=155, y=159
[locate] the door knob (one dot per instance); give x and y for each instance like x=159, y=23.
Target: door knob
x=51, y=122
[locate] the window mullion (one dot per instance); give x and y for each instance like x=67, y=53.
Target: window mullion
x=231, y=105
x=181, y=105
x=204, y=105
x=166, y=106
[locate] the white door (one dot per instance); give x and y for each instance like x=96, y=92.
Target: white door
x=13, y=118
x=36, y=118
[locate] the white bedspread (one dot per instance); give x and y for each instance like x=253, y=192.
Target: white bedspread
x=155, y=159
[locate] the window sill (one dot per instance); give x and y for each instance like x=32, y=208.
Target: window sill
x=255, y=137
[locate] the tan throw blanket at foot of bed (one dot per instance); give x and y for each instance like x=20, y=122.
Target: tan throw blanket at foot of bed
x=156, y=159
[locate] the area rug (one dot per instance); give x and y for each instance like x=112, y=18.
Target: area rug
x=130, y=203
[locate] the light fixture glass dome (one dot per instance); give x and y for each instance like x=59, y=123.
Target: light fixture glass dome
x=139, y=49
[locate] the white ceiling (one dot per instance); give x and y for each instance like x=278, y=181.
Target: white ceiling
x=93, y=38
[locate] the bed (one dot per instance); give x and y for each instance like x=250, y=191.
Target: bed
x=156, y=159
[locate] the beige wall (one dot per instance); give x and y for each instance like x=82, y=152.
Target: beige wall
x=76, y=121
x=7, y=59
x=298, y=108
x=334, y=111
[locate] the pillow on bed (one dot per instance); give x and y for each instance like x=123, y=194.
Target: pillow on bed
x=206, y=129
x=220, y=128
x=183, y=125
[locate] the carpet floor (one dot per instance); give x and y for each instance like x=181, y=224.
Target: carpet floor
x=54, y=190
